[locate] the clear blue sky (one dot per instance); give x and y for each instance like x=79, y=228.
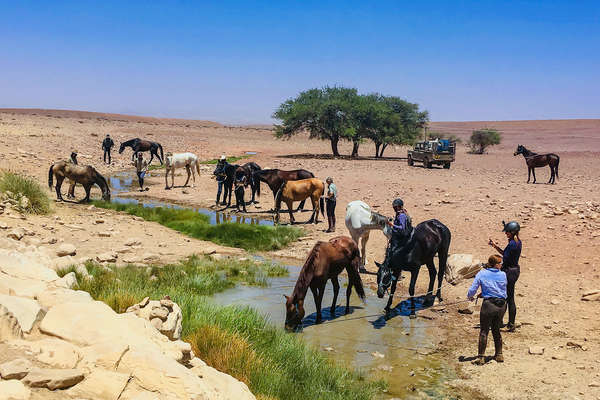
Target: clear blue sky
x=236, y=61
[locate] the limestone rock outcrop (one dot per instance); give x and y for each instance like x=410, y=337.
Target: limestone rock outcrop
x=164, y=315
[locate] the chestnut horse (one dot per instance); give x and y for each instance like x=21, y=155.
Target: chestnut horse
x=274, y=178
x=301, y=190
x=138, y=145
x=535, y=160
x=325, y=262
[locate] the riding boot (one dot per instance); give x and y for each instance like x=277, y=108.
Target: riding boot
x=333, y=223
x=330, y=223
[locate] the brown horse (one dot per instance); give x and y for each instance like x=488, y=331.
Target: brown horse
x=300, y=190
x=245, y=174
x=87, y=176
x=325, y=262
x=138, y=145
x=535, y=160
x=274, y=178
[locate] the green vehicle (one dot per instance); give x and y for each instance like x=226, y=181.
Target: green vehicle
x=439, y=151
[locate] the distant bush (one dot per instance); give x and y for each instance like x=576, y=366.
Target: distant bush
x=481, y=139
x=25, y=193
x=444, y=135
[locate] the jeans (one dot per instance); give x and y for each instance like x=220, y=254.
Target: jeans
x=220, y=190
x=140, y=176
x=490, y=316
x=512, y=276
x=107, y=152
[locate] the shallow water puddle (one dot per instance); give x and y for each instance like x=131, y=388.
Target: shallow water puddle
x=399, y=350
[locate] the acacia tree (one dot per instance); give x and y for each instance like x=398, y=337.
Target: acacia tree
x=481, y=139
x=325, y=113
x=403, y=126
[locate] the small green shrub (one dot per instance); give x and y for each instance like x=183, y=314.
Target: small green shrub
x=481, y=139
x=26, y=193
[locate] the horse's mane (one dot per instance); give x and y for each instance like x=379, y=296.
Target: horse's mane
x=306, y=273
x=100, y=179
x=378, y=218
x=128, y=142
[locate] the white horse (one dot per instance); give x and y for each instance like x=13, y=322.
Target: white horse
x=180, y=160
x=360, y=221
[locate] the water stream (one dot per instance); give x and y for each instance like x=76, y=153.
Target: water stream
x=400, y=350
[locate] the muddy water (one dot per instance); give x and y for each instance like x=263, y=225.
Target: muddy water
x=400, y=350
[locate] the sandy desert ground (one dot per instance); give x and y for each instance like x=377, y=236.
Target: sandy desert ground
x=561, y=236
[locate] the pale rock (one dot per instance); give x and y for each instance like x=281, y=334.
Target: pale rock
x=156, y=322
x=21, y=287
x=227, y=386
x=51, y=297
x=108, y=257
x=66, y=249
x=14, y=390
x=124, y=250
x=151, y=257
x=9, y=326
x=106, y=354
x=461, y=266
x=101, y=385
x=51, y=351
x=25, y=266
x=53, y=378
x=16, y=234
x=67, y=281
x=133, y=242
x=536, y=350
x=377, y=354
x=62, y=262
x=104, y=234
x=15, y=369
x=3, y=225
x=27, y=311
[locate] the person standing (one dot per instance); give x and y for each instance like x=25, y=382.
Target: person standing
x=493, y=284
x=141, y=167
x=510, y=265
x=220, y=177
x=331, y=200
x=107, y=144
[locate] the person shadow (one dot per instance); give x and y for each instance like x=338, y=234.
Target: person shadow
x=403, y=309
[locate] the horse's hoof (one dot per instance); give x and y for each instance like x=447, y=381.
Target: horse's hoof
x=412, y=316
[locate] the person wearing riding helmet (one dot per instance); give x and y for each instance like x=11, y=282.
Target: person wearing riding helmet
x=220, y=179
x=400, y=226
x=331, y=200
x=510, y=264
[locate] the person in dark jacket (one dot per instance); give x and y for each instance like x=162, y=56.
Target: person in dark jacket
x=330, y=201
x=493, y=290
x=401, y=226
x=510, y=265
x=107, y=144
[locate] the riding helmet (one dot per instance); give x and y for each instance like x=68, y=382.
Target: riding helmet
x=512, y=227
x=398, y=203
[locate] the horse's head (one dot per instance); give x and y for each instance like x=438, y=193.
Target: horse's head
x=106, y=195
x=384, y=278
x=121, y=148
x=520, y=150
x=294, y=312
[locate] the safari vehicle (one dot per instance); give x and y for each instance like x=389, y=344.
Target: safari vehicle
x=439, y=151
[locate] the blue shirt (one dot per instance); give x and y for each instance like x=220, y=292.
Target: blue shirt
x=399, y=223
x=511, y=254
x=492, y=282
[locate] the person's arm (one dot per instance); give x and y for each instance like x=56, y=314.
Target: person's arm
x=401, y=223
x=495, y=246
x=474, y=286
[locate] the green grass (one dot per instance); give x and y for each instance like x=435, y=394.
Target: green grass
x=230, y=160
x=196, y=225
x=17, y=188
x=153, y=167
x=235, y=340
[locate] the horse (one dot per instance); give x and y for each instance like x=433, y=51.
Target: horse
x=425, y=240
x=180, y=160
x=87, y=176
x=360, y=221
x=138, y=145
x=325, y=262
x=225, y=172
x=300, y=190
x=245, y=173
x=535, y=160
x=274, y=178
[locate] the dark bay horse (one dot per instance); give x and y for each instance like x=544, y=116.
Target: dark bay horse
x=275, y=178
x=138, y=145
x=325, y=262
x=225, y=173
x=301, y=190
x=535, y=160
x=426, y=239
x=87, y=176
x=245, y=175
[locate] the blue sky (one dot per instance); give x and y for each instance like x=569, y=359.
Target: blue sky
x=235, y=62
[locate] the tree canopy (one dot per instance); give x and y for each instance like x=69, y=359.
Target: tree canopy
x=338, y=113
x=481, y=139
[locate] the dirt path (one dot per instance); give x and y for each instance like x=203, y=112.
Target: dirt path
x=561, y=255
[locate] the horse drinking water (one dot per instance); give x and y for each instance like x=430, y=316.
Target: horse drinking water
x=425, y=240
x=325, y=262
x=87, y=176
x=535, y=160
x=138, y=145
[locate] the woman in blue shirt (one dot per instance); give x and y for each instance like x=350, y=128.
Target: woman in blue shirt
x=493, y=290
x=510, y=264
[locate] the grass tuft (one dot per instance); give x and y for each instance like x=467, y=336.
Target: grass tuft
x=230, y=160
x=25, y=193
x=196, y=225
x=235, y=340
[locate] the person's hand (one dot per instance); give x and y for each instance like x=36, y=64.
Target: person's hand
x=471, y=298
x=390, y=223
x=492, y=243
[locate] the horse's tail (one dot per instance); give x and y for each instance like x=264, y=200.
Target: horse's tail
x=279, y=195
x=50, y=176
x=255, y=183
x=354, y=276
x=443, y=249
x=197, y=166
x=322, y=205
x=556, y=168
x=162, y=156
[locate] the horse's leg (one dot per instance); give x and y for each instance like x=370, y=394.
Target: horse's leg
x=289, y=205
x=88, y=189
x=187, y=169
x=528, y=174
x=551, y=181
x=533, y=172
x=193, y=176
x=348, y=293
x=71, y=194
x=432, y=274
x=336, y=290
x=411, y=291
x=151, y=157
x=321, y=291
x=59, y=181
x=392, y=291
x=363, y=252
x=166, y=178
x=315, y=213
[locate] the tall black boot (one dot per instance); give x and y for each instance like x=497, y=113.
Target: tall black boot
x=329, y=221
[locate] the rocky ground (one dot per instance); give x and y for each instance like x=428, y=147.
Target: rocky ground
x=554, y=352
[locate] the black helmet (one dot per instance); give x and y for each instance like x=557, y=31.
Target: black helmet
x=398, y=203
x=512, y=227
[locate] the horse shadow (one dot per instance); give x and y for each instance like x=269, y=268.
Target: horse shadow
x=327, y=316
x=403, y=309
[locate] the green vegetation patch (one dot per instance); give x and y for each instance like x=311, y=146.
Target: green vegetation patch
x=230, y=160
x=245, y=236
x=24, y=192
x=235, y=340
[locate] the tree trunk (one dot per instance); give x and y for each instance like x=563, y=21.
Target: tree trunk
x=377, y=145
x=382, y=149
x=334, y=145
x=355, y=149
